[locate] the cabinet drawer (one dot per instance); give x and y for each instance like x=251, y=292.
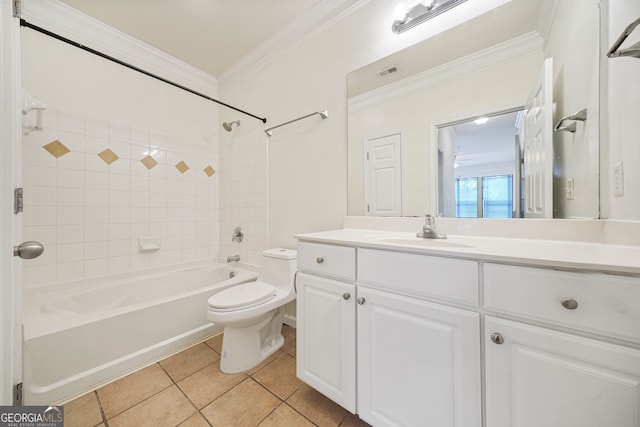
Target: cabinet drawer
x=429, y=276
x=594, y=302
x=329, y=260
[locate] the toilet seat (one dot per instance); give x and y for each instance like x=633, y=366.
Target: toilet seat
x=246, y=295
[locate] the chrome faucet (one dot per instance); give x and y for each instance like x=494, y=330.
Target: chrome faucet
x=233, y=258
x=429, y=229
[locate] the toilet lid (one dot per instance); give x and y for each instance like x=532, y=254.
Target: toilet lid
x=251, y=293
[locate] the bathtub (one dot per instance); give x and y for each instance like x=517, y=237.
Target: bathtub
x=78, y=336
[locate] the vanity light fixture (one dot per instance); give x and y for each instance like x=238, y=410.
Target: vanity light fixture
x=422, y=12
x=481, y=120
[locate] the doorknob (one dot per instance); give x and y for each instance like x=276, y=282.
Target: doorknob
x=28, y=250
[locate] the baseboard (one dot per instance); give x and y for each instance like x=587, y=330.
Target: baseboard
x=289, y=320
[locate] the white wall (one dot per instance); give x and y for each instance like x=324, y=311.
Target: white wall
x=620, y=140
x=89, y=214
x=573, y=43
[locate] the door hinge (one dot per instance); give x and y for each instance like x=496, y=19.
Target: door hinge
x=367, y=208
x=18, y=200
x=17, y=394
x=17, y=8
x=367, y=156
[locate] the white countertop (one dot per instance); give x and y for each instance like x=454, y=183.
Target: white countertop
x=550, y=253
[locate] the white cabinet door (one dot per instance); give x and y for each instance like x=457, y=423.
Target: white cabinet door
x=418, y=362
x=539, y=377
x=326, y=352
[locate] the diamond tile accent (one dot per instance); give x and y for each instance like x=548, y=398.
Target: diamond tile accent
x=182, y=167
x=56, y=148
x=149, y=162
x=108, y=156
x=209, y=171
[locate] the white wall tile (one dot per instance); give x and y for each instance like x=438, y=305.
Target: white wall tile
x=96, y=180
x=70, y=197
x=70, y=271
x=68, y=178
x=96, y=250
x=70, y=252
x=70, y=234
x=119, y=248
x=39, y=176
x=94, y=216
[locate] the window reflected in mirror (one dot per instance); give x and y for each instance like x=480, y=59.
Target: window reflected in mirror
x=479, y=167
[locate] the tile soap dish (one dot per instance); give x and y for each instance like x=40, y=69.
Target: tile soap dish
x=148, y=244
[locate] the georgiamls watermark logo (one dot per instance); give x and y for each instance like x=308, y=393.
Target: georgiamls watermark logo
x=31, y=416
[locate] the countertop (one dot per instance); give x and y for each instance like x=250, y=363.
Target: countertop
x=587, y=256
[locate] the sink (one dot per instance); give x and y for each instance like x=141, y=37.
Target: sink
x=425, y=243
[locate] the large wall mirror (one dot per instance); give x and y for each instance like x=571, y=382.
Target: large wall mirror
x=442, y=126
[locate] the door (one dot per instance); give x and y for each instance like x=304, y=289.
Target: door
x=418, y=362
x=326, y=343
x=538, y=377
x=383, y=176
x=10, y=311
x=538, y=146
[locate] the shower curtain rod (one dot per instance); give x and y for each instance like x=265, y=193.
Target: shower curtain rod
x=24, y=23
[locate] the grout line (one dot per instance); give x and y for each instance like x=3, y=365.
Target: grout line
x=104, y=417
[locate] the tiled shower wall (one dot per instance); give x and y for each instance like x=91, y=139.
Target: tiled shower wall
x=244, y=192
x=92, y=194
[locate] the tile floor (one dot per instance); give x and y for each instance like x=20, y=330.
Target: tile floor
x=188, y=389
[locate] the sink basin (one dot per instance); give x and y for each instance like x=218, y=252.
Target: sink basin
x=425, y=243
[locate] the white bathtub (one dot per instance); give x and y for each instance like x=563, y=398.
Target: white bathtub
x=80, y=335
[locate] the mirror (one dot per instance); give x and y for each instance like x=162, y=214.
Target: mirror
x=487, y=65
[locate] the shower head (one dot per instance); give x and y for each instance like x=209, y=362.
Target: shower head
x=227, y=126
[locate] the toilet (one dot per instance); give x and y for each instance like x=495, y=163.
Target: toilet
x=252, y=313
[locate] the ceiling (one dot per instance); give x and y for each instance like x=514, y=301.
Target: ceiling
x=211, y=35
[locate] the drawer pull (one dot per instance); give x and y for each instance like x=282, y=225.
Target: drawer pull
x=569, y=303
x=361, y=300
x=497, y=338
x=319, y=260
x=346, y=296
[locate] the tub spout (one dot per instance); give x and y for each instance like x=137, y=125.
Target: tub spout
x=233, y=258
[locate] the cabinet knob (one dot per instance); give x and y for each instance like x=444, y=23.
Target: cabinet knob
x=497, y=338
x=346, y=296
x=319, y=260
x=569, y=303
x=361, y=300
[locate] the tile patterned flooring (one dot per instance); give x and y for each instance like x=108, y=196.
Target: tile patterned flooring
x=188, y=389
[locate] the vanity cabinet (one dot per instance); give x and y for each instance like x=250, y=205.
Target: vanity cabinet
x=378, y=348
x=405, y=337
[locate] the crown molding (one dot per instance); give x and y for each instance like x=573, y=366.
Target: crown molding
x=518, y=47
x=321, y=16
x=62, y=19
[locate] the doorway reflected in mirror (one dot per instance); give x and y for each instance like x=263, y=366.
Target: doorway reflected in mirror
x=479, y=166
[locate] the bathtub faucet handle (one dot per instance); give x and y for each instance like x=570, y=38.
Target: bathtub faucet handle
x=238, y=235
x=233, y=258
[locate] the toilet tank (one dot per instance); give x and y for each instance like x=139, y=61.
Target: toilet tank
x=278, y=267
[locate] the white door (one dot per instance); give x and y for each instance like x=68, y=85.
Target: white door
x=538, y=377
x=538, y=146
x=10, y=311
x=383, y=176
x=418, y=362
x=326, y=343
